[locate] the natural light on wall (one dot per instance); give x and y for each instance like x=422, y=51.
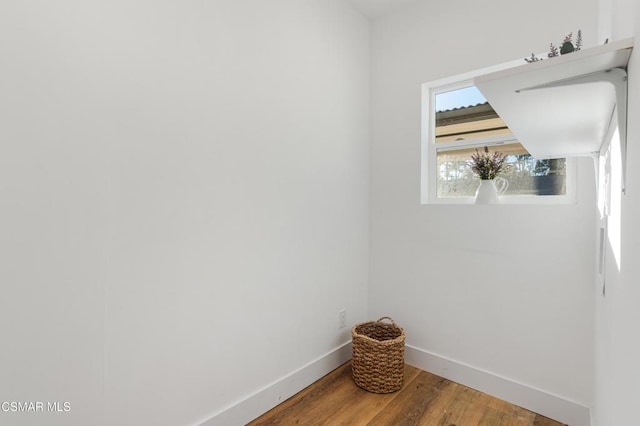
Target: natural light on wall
x=610, y=196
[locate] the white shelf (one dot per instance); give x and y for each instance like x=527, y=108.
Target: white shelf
x=563, y=106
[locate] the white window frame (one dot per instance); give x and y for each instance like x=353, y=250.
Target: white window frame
x=428, y=184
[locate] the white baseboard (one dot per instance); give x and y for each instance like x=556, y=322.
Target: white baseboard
x=545, y=403
x=258, y=403
x=541, y=402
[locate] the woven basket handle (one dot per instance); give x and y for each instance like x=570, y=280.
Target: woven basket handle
x=390, y=319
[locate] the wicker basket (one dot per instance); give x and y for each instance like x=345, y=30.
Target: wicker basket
x=378, y=356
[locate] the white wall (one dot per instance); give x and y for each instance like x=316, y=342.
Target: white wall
x=503, y=289
x=184, y=201
x=617, y=375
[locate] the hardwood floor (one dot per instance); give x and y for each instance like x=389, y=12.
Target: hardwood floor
x=425, y=399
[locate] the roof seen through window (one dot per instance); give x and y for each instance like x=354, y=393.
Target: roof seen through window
x=459, y=98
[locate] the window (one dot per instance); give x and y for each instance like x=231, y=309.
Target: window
x=457, y=121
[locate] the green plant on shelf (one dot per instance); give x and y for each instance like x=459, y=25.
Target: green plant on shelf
x=567, y=46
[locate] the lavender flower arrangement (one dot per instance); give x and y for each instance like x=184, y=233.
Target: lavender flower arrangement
x=487, y=166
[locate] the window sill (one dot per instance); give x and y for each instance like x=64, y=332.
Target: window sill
x=523, y=200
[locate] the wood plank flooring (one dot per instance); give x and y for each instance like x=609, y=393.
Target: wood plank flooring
x=425, y=399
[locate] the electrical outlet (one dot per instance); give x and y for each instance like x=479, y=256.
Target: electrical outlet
x=342, y=318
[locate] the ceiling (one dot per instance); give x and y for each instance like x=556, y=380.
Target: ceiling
x=375, y=8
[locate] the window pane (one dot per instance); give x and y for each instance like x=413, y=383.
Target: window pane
x=465, y=114
x=457, y=98
x=526, y=175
